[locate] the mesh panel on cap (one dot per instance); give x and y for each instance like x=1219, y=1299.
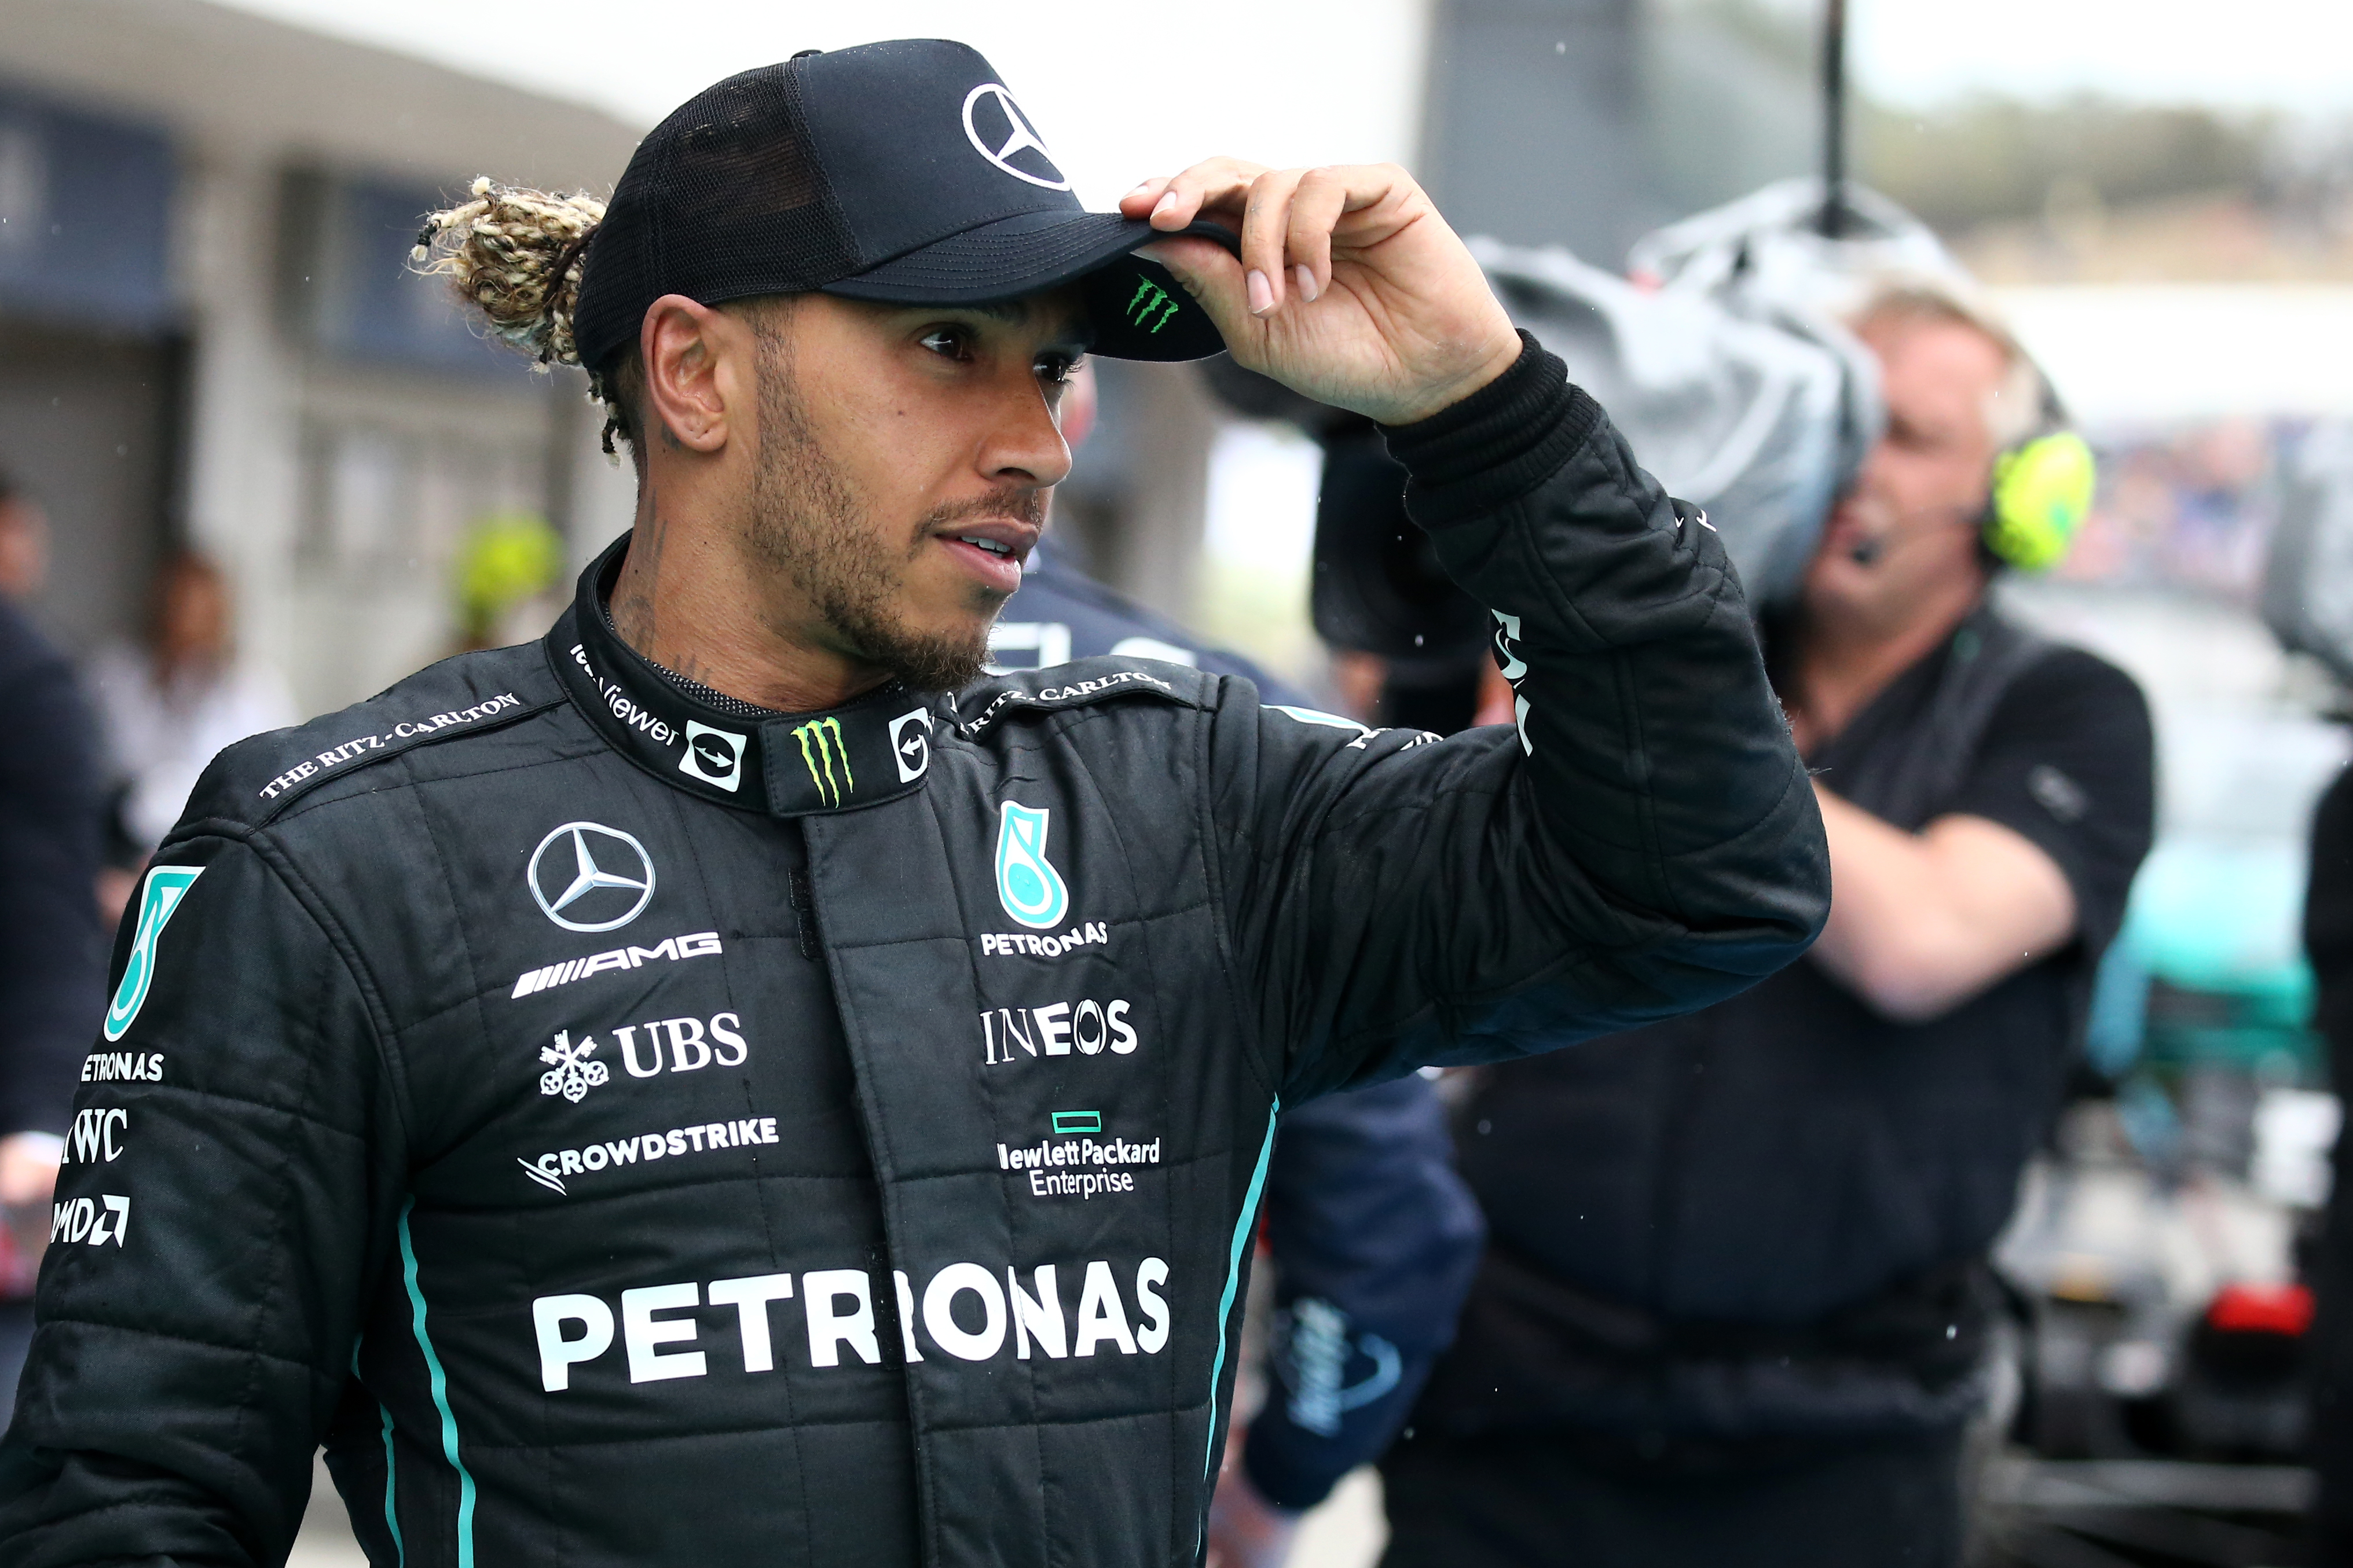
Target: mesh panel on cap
x=724, y=199
x=745, y=192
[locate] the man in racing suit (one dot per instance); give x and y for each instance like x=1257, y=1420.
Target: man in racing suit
x=684, y=1091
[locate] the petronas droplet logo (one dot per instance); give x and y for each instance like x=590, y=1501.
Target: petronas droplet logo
x=1027, y=883
x=164, y=887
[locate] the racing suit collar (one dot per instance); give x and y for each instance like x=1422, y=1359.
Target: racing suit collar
x=874, y=749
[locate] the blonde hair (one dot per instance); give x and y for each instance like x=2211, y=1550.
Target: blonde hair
x=2018, y=407
x=514, y=254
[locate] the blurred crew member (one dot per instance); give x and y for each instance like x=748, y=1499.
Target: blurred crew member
x=1734, y=1302
x=51, y=957
x=1372, y=1234
x=173, y=703
x=24, y=543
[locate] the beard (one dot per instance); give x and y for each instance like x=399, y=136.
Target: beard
x=809, y=524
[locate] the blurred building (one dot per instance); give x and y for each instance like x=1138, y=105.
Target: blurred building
x=208, y=335
x=1590, y=123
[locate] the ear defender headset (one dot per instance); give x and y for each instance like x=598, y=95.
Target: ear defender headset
x=2041, y=494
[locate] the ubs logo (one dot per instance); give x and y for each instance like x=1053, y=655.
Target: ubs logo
x=714, y=756
x=586, y=876
x=1001, y=133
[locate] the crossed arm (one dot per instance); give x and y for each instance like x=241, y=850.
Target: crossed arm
x=1920, y=923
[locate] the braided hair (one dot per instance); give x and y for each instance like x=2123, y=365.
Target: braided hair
x=515, y=254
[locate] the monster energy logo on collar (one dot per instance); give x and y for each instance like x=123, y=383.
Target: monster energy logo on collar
x=1148, y=297
x=821, y=746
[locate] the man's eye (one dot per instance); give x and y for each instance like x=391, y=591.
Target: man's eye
x=949, y=342
x=1056, y=370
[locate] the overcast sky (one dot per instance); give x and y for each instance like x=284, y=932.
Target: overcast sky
x=2288, y=54
x=1121, y=89
x=1118, y=92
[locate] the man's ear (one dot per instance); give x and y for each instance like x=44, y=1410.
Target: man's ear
x=687, y=397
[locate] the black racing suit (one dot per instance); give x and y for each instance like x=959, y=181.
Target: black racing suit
x=1373, y=1235
x=630, y=1129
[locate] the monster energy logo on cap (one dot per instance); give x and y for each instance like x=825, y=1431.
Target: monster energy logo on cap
x=1150, y=297
x=821, y=748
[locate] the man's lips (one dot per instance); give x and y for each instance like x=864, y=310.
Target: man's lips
x=1849, y=526
x=1002, y=536
x=993, y=548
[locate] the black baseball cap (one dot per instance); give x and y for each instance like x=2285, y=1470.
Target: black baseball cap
x=899, y=172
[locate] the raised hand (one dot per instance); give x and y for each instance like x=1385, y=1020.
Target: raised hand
x=1350, y=289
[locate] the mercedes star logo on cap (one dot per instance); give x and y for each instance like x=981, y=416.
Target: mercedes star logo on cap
x=1000, y=132
x=598, y=877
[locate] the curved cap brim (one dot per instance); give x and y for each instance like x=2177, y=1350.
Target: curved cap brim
x=1138, y=311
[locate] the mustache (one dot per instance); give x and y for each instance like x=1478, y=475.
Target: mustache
x=1018, y=503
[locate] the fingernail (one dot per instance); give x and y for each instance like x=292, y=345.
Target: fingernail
x=1306, y=276
x=1262, y=292
x=1140, y=186
x=1168, y=203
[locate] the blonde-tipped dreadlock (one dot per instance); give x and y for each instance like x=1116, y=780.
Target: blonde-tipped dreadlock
x=515, y=254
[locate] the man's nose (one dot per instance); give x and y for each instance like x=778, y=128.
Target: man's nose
x=1026, y=445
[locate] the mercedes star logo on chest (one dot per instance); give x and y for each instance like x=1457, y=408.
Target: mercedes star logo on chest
x=586, y=876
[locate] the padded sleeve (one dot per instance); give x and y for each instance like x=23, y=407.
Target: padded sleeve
x=1642, y=842
x=231, y=1190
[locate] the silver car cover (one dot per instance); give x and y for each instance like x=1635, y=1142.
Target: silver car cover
x=1724, y=363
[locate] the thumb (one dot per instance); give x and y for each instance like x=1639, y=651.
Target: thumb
x=1213, y=277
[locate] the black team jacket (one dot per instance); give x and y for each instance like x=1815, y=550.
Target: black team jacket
x=1374, y=1237
x=52, y=952
x=630, y=1128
